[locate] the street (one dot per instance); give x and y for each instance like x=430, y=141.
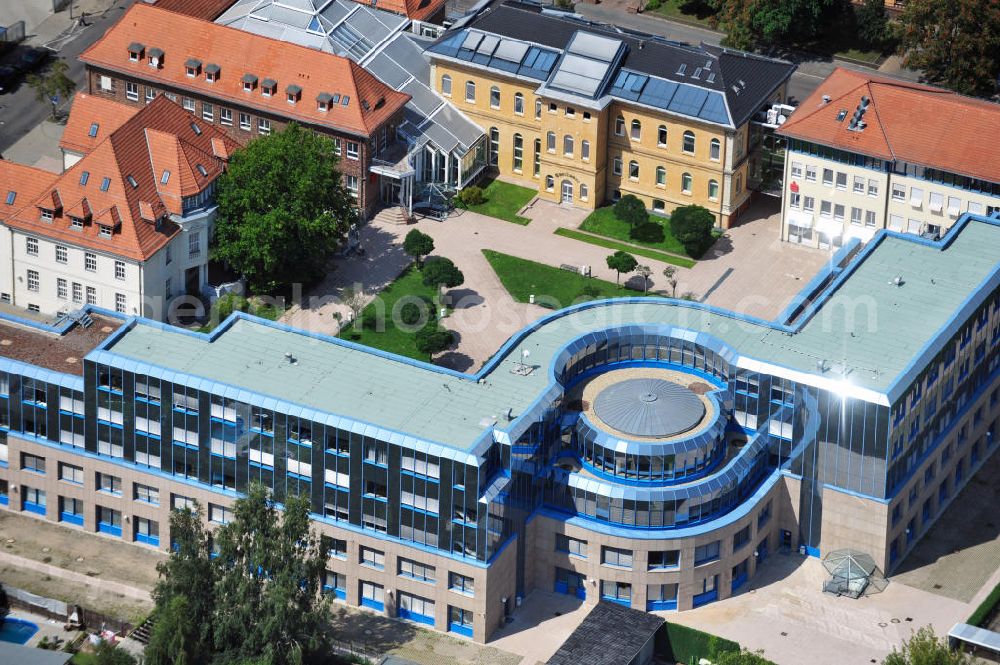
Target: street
x=19, y=110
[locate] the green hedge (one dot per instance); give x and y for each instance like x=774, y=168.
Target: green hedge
x=687, y=645
x=982, y=613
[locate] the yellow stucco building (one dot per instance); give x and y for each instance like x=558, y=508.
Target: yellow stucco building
x=586, y=114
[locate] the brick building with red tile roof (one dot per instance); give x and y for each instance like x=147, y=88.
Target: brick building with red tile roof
x=867, y=152
x=92, y=120
x=247, y=85
x=127, y=225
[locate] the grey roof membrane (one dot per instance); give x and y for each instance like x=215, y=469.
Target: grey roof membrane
x=649, y=407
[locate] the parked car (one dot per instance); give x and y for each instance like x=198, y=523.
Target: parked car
x=8, y=77
x=32, y=59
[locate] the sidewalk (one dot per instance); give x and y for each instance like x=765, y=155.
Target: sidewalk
x=39, y=147
x=42, y=26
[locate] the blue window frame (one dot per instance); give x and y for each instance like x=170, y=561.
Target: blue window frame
x=706, y=553
x=33, y=500
x=740, y=574
x=372, y=596
x=709, y=591
x=71, y=511
x=460, y=621
x=336, y=584
x=147, y=531
x=109, y=521
x=661, y=597
x=415, y=608
x=616, y=592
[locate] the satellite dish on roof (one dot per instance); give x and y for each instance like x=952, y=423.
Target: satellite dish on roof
x=782, y=118
x=154, y=61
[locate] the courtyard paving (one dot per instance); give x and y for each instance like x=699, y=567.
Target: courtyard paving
x=748, y=270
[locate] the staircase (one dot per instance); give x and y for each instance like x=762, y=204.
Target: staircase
x=392, y=215
x=141, y=633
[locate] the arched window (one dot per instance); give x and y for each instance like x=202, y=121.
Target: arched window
x=633, y=170
x=538, y=109
x=636, y=130
x=620, y=126
x=568, y=145
x=585, y=151
x=713, y=190
x=584, y=191
x=446, y=85
x=550, y=183
x=494, y=97
x=661, y=176
x=494, y=146
x=538, y=157
x=518, y=152
x=661, y=136
x=715, y=150
x=689, y=141
x=686, y=183
x=550, y=141
x=470, y=92
x=519, y=103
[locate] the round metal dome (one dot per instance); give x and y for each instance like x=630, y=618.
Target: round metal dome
x=649, y=407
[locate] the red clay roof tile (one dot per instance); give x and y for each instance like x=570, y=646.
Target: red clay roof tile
x=904, y=121
x=88, y=110
x=238, y=53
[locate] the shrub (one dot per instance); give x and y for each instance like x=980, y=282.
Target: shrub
x=649, y=232
x=410, y=313
x=692, y=226
x=442, y=271
x=685, y=645
x=631, y=210
x=472, y=196
x=229, y=303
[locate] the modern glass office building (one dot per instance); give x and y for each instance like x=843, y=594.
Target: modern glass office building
x=647, y=451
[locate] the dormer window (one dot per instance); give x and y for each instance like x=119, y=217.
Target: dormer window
x=323, y=100
x=136, y=51
x=268, y=87
x=104, y=230
x=192, y=67
x=212, y=73
x=75, y=223
x=249, y=82
x=155, y=59
x=46, y=215
x=292, y=93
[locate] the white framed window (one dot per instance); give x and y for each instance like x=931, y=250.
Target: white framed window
x=810, y=173
x=470, y=92
x=568, y=145
x=120, y=303
x=62, y=254
x=62, y=289
x=826, y=209
x=352, y=150
x=245, y=122
x=713, y=190
x=446, y=85
x=898, y=192
x=538, y=109
x=132, y=91
x=194, y=243
x=838, y=212
x=119, y=270
x=351, y=183
x=31, y=246
x=895, y=222
x=91, y=294
x=226, y=117
x=105, y=84
x=859, y=184
x=550, y=142
x=661, y=176
x=686, y=182
x=519, y=103
x=715, y=150
x=872, y=187
x=518, y=152
x=689, y=145
x=856, y=216
x=46, y=215
x=633, y=170
x=619, y=126
x=150, y=94
x=870, y=218
x=584, y=192
x=550, y=183
x=936, y=202
x=616, y=166
x=494, y=97
x=954, y=206
x=188, y=104
x=263, y=126
x=916, y=197
x=795, y=200
x=841, y=181
x=585, y=150
x=636, y=131
x=808, y=203
x=570, y=112
x=796, y=169
x=77, y=292
x=828, y=177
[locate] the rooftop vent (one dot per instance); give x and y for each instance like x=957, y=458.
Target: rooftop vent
x=826, y=99
x=290, y=359
x=897, y=281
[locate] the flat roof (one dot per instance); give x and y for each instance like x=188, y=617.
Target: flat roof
x=58, y=352
x=867, y=332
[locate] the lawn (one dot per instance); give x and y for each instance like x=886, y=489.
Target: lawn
x=379, y=330
x=552, y=287
x=503, y=200
x=684, y=11
x=603, y=222
x=635, y=251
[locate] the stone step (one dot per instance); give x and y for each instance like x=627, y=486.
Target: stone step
x=394, y=215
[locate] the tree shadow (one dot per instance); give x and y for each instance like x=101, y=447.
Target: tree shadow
x=635, y=283
x=722, y=246
x=459, y=362
x=465, y=298
x=369, y=633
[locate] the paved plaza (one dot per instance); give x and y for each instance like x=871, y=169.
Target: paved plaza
x=748, y=270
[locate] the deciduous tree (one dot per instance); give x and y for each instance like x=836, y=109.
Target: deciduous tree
x=873, y=23
x=632, y=211
x=924, y=648
x=433, y=339
x=55, y=83
x=621, y=262
x=692, y=226
x=956, y=43
x=418, y=244
x=441, y=271
x=749, y=23
x=283, y=209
